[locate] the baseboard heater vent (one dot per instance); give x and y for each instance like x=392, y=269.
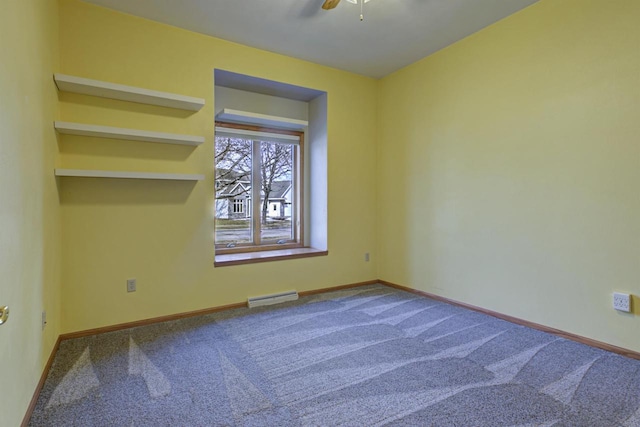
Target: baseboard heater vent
x=272, y=299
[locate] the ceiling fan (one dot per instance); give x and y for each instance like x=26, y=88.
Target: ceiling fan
x=331, y=4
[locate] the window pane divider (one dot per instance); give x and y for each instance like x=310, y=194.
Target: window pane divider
x=256, y=185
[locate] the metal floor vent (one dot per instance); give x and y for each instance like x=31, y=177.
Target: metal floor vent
x=272, y=299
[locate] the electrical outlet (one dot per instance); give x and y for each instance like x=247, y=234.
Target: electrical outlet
x=44, y=319
x=131, y=285
x=366, y=256
x=622, y=302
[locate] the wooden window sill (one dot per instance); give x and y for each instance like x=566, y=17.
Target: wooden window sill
x=225, y=260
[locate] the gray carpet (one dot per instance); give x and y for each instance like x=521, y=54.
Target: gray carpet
x=364, y=356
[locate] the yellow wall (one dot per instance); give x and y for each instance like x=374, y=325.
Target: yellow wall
x=161, y=232
x=515, y=155
x=506, y=175
x=29, y=207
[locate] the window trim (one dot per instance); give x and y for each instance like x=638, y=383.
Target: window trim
x=227, y=260
x=297, y=187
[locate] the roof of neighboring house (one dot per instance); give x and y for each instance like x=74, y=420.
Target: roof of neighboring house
x=230, y=175
x=232, y=183
x=235, y=189
x=279, y=189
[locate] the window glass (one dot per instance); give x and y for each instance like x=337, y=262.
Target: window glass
x=257, y=184
x=233, y=191
x=276, y=173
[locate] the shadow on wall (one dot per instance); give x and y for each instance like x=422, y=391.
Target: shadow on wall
x=74, y=145
x=99, y=191
x=126, y=106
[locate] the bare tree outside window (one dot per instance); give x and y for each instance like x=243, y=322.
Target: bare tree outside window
x=233, y=163
x=233, y=187
x=276, y=166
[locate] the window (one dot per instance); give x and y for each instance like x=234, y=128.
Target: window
x=261, y=164
x=238, y=206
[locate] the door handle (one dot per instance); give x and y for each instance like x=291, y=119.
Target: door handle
x=4, y=314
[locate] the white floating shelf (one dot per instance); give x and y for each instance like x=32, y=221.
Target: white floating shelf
x=83, y=173
x=128, y=134
x=230, y=115
x=102, y=89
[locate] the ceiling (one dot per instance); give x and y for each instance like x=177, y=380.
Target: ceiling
x=394, y=33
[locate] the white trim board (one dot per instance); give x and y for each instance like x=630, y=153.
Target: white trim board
x=86, y=173
x=262, y=136
x=68, y=128
x=227, y=114
x=102, y=89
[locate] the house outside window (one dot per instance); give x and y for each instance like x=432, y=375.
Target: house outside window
x=256, y=163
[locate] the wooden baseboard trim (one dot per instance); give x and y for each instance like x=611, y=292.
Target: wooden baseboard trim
x=573, y=337
x=144, y=322
x=337, y=288
x=43, y=378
